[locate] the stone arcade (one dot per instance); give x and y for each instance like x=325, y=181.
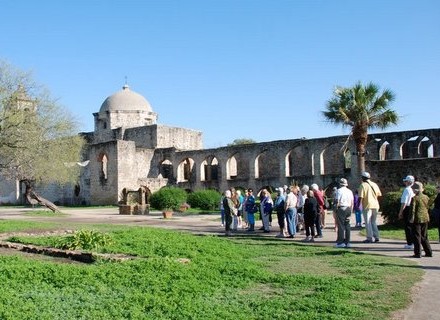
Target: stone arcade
x=129, y=150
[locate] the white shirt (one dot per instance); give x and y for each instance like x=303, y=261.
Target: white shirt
x=407, y=195
x=344, y=197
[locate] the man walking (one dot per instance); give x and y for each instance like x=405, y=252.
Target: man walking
x=369, y=193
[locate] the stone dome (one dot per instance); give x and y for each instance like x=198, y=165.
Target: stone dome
x=125, y=100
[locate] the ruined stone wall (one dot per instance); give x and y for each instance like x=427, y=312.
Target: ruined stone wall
x=144, y=137
x=104, y=189
x=323, y=161
x=179, y=138
x=389, y=174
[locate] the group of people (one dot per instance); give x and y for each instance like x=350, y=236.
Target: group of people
x=305, y=206
x=295, y=208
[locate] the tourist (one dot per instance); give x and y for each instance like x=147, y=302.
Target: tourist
x=290, y=206
x=245, y=220
x=369, y=194
x=357, y=208
x=310, y=214
x=250, y=208
x=419, y=221
x=344, y=204
x=230, y=211
x=240, y=198
x=319, y=196
x=334, y=207
x=302, y=196
x=279, y=206
x=266, y=207
x=405, y=211
x=222, y=209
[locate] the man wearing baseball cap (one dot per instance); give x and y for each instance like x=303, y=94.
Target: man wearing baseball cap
x=405, y=210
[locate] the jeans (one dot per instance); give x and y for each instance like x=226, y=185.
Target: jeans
x=291, y=221
x=358, y=216
x=251, y=218
x=370, y=216
x=318, y=225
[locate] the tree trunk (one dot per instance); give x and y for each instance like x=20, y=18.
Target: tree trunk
x=360, y=136
x=33, y=198
x=361, y=159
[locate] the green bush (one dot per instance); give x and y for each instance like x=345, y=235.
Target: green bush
x=168, y=198
x=205, y=199
x=390, y=206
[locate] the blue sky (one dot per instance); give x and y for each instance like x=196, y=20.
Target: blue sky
x=259, y=69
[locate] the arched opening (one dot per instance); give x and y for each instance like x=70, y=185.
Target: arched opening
x=265, y=166
x=166, y=169
x=231, y=168
x=185, y=170
x=289, y=164
x=103, y=168
x=426, y=148
x=347, y=160
x=321, y=163
x=209, y=169
x=384, y=151
x=410, y=148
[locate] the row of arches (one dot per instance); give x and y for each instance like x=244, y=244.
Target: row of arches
x=266, y=164
x=334, y=158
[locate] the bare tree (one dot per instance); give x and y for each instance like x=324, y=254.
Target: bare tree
x=38, y=137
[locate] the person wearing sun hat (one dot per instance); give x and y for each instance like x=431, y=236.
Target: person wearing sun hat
x=369, y=194
x=419, y=221
x=405, y=210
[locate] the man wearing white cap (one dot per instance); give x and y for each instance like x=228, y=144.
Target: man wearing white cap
x=369, y=193
x=405, y=210
x=344, y=207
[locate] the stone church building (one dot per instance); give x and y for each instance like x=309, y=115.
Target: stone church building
x=129, y=150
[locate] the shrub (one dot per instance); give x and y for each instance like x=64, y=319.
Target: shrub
x=390, y=206
x=168, y=198
x=83, y=239
x=205, y=199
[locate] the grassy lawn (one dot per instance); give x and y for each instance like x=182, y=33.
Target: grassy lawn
x=392, y=232
x=218, y=278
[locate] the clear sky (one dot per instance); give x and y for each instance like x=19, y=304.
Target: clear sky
x=258, y=69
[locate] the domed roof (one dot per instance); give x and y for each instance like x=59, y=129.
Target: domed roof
x=125, y=100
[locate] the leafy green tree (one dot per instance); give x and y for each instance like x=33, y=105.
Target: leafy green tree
x=361, y=108
x=241, y=141
x=38, y=138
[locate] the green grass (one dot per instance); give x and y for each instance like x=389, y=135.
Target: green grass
x=226, y=278
x=393, y=232
x=23, y=225
x=44, y=213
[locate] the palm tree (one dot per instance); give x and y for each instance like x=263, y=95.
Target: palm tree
x=361, y=108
